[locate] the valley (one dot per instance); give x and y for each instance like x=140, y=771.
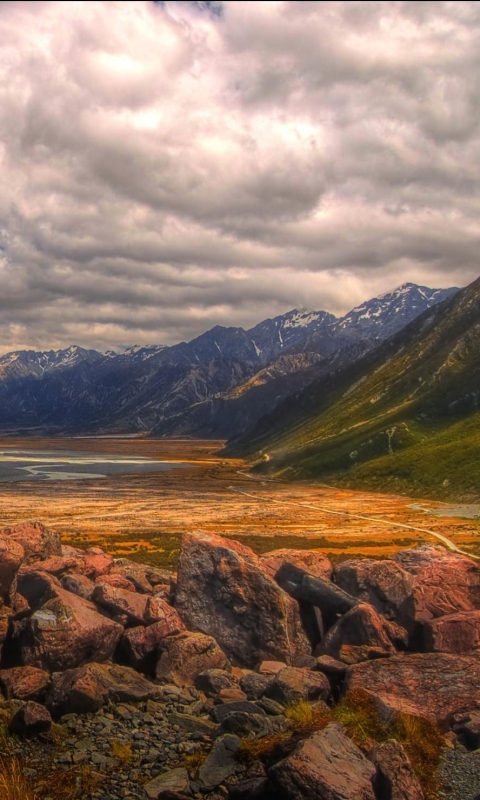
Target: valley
x=142, y=516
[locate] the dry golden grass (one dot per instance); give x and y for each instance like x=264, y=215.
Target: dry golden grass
x=193, y=761
x=306, y=718
x=424, y=745
x=122, y=751
x=13, y=783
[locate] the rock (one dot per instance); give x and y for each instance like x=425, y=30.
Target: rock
x=255, y=685
x=37, y=587
x=25, y=683
x=29, y=720
x=330, y=666
x=66, y=633
x=383, y=584
x=211, y=681
x=169, y=785
x=223, y=591
x=443, y=582
x=158, y=610
x=118, y=601
x=140, y=645
x=252, y=726
x=221, y=712
x=56, y=565
x=326, y=766
x=230, y=695
x=314, y=562
x=250, y=786
x=221, y=762
x=11, y=557
x=360, y=626
x=96, y=563
x=36, y=540
x=325, y=595
x=271, y=667
x=433, y=685
x=184, y=656
x=454, y=633
x=192, y=724
x=355, y=654
x=118, y=581
x=133, y=572
x=395, y=777
x=79, y=585
x=292, y=684
x=467, y=725
x=88, y=688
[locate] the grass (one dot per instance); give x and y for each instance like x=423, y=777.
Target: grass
x=193, y=761
x=13, y=783
x=421, y=739
x=122, y=751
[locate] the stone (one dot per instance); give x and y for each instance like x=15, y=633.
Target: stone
x=37, y=587
x=211, y=681
x=30, y=720
x=453, y=633
x=11, y=557
x=78, y=584
x=255, y=685
x=25, y=683
x=330, y=666
x=383, y=584
x=312, y=561
x=88, y=688
x=37, y=541
x=230, y=695
x=118, y=581
x=118, y=601
x=140, y=645
x=66, y=632
x=96, y=563
x=184, y=656
x=467, y=726
x=169, y=785
x=160, y=611
x=220, y=763
x=432, y=685
x=443, y=582
x=252, y=726
x=326, y=766
x=221, y=712
x=359, y=626
x=354, y=654
x=223, y=591
x=271, y=667
x=292, y=684
x=133, y=572
x=395, y=777
x=193, y=724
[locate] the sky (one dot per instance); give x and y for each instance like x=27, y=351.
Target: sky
x=165, y=167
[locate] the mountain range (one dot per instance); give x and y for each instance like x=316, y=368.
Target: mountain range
x=218, y=384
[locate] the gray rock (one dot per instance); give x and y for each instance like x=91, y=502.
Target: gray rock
x=220, y=763
x=219, y=713
x=171, y=784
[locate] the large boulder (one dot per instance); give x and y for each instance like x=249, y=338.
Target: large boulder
x=223, y=591
x=292, y=684
x=312, y=561
x=30, y=720
x=96, y=563
x=432, y=685
x=443, y=582
x=383, y=584
x=327, y=766
x=78, y=584
x=25, y=683
x=361, y=626
x=11, y=557
x=171, y=785
x=140, y=645
x=119, y=602
x=66, y=632
x=86, y=689
x=37, y=587
x=395, y=777
x=454, y=633
x=185, y=656
x=138, y=574
x=37, y=541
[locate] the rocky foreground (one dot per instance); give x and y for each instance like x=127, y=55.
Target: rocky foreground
x=227, y=679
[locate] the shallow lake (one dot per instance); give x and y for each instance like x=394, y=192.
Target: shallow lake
x=67, y=465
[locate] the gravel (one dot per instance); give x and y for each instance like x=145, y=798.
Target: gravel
x=460, y=775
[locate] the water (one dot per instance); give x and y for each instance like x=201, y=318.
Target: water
x=67, y=465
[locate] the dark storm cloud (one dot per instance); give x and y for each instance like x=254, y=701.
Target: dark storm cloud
x=169, y=166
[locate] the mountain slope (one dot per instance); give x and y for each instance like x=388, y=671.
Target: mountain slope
x=402, y=395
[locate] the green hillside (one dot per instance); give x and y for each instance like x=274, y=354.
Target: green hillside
x=405, y=418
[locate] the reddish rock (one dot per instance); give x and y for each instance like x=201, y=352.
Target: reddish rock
x=383, y=584
x=355, y=654
x=118, y=601
x=223, y=591
x=467, y=726
x=140, y=645
x=37, y=587
x=185, y=656
x=443, y=582
x=11, y=557
x=68, y=550
x=292, y=684
x=395, y=777
x=454, y=633
x=30, y=720
x=79, y=585
x=96, y=563
x=230, y=695
x=67, y=632
x=20, y=607
x=359, y=627
x=327, y=766
x=25, y=683
x=56, y=565
x=158, y=610
x=433, y=685
x=330, y=666
x=312, y=561
x=133, y=572
x=37, y=541
x=84, y=690
x=271, y=667
x=212, y=681
x=255, y=685
x=171, y=785
x=116, y=580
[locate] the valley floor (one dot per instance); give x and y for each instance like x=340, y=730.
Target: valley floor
x=143, y=516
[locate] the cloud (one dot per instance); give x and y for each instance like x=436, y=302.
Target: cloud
x=169, y=166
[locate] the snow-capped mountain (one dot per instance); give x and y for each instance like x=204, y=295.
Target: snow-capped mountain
x=274, y=336
x=25, y=363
